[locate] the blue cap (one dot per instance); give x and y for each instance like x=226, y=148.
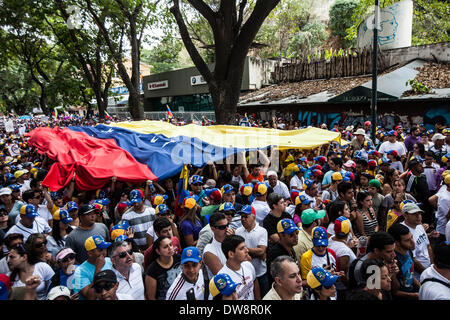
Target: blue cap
x=227, y=188
x=5, y=284
x=247, y=209
x=320, y=237
x=103, y=201
x=71, y=205
x=227, y=206
x=14, y=187
x=196, y=179
x=29, y=211
x=190, y=254
x=161, y=208
x=63, y=216
x=308, y=183
x=120, y=238
x=303, y=199
x=320, y=277
x=121, y=225
x=222, y=284
x=135, y=196
x=286, y=226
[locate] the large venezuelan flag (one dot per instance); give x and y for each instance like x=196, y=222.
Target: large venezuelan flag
x=153, y=150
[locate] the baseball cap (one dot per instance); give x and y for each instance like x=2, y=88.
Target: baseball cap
x=393, y=152
x=445, y=158
x=161, y=208
x=289, y=158
x=336, y=176
x=320, y=159
x=106, y=276
x=5, y=285
x=271, y=173
x=29, y=210
x=18, y=173
x=121, y=238
x=246, y=189
x=317, y=173
x=100, y=194
x=86, y=209
x=4, y=191
x=320, y=277
x=159, y=199
x=247, y=209
x=375, y=183
x=121, y=225
x=286, y=226
x=319, y=236
x=348, y=176
x=96, y=242
x=222, y=284
x=189, y=202
x=260, y=189
x=360, y=131
x=136, y=196
x=373, y=152
x=308, y=183
x=368, y=144
x=71, y=205
x=350, y=164
x=62, y=215
x=411, y=208
x=14, y=187
x=58, y=291
x=190, y=254
x=55, y=195
x=294, y=194
x=372, y=163
x=116, y=233
x=442, y=253
x=437, y=136
x=63, y=253
x=311, y=215
x=302, y=199
x=227, y=189
x=214, y=194
x=210, y=183
x=384, y=161
x=342, y=226
x=392, y=133
x=196, y=179
x=298, y=168
x=447, y=179
x=227, y=206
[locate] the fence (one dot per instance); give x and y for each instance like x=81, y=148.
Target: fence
x=158, y=115
x=353, y=63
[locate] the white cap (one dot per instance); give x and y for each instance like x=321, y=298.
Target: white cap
x=360, y=131
x=4, y=191
x=210, y=183
x=438, y=136
x=58, y=291
x=272, y=173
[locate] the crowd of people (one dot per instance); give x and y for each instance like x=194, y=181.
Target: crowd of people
x=359, y=220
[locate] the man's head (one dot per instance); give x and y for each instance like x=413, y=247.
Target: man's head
x=286, y=274
x=392, y=136
x=234, y=248
x=228, y=210
x=87, y=215
x=403, y=237
x=412, y=214
x=137, y=199
x=163, y=227
x=121, y=255
x=382, y=245
x=191, y=263
x=360, y=135
x=320, y=240
x=219, y=224
x=288, y=232
x=105, y=285
x=228, y=193
x=248, y=216
x=196, y=184
x=311, y=188
x=438, y=140
x=441, y=254
x=273, y=178
x=276, y=202
x=374, y=187
x=12, y=240
x=255, y=169
x=335, y=163
x=95, y=247
x=28, y=214
x=415, y=131
x=376, y=267
x=345, y=191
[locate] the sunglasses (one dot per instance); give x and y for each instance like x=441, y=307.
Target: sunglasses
x=107, y=286
x=37, y=197
x=229, y=213
x=328, y=287
x=3, y=213
x=123, y=254
x=67, y=258
x=197, y=184
x=222, y=227
x=40, y=244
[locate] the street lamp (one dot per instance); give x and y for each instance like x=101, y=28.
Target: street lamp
x=374, y=73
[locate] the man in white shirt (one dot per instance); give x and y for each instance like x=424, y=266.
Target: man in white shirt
x=260, y=205
x=128, y=273
x=423, y=256
x=443, y=207
x=239, y=268
x=256, y=240
x=213, y=256
x=393, y=144
x=287, y=283
x=435, y=280
x=277, y=186
x=29, y=223
x=189, y=284
x=297, y=180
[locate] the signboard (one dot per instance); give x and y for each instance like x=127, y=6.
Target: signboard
x=197, y=80
x=22, y=130
x=9, y=126
x=158, y=85
x=395, y=27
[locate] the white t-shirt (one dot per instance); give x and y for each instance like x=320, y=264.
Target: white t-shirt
x=140, y=222
x=341, y=250
x=443, y=205
x=262, y=209
x=296, y=183
x=290, y=209
x=180, y=286
x=397, y=146
x=238, y=179
x=245, y=277
x=134, y=286
x=421, y=239
x=44, y=213
x=256, y=237
x=39, y=226
x=215, y=248
x=45, y=273
x=431, y=290
x=123, y=296
x=447, y=231
x=281, y=189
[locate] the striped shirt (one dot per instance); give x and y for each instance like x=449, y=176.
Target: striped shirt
x=180, y=286
x=134, y=286
x=140, y=222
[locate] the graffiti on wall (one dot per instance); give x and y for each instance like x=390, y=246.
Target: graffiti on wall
x=440, y=114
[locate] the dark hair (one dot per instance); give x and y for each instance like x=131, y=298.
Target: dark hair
x=421, y=148
x=388, y=177
x=343, y=187
x=379, y=240
x=230, y=243
x=10, y=238
x=227, y=177
x=161, y=223
x=360, y=295
x=27, y=195
x=337, y=161
x=366, y=264
x=33, y=258
x=56, y=233
x=397, y=231
x=361, y=196
x=215, y=217
x=273, y=199
x=21, y=250
x=362, y=162
x=430, y=154
x=154, y=255
x=334, y=208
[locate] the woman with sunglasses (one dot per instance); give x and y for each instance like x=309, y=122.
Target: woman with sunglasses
x=65, y=258
x=36, y=245
x=163, y=269
x=61, y=228
x=394, y=214
x=24, y=265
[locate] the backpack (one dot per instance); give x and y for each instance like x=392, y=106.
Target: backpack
x=435, y=280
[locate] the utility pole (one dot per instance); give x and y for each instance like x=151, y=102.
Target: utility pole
x=373, y=106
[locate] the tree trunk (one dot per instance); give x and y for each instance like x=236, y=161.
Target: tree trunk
x=134, y=103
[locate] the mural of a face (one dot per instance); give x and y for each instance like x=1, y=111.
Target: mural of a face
x=388, y=29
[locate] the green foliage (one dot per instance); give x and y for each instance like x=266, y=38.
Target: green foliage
x=418, y=87
x=164, y=56
x=312, y=36
x=340, y=12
